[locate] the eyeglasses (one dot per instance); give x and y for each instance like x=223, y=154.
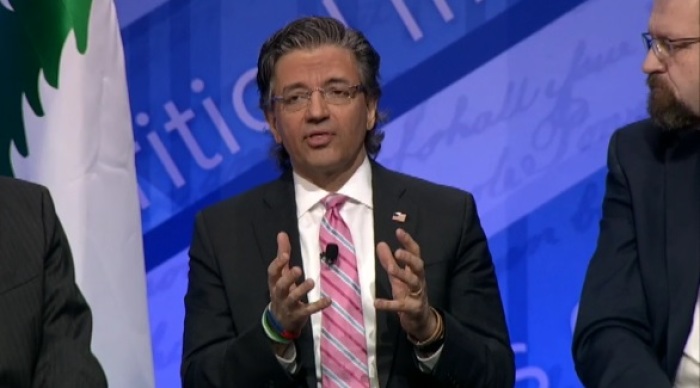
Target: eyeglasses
x=295, y=100
x=665, y=48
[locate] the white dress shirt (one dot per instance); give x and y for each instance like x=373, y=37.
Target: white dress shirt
x=688, y=374
x=357, y=212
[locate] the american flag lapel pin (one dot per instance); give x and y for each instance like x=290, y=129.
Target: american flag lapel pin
x=399, y=217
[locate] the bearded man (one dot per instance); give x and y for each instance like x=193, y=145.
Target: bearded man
x=638, y=320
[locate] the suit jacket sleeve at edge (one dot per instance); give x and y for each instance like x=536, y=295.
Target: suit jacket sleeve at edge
x=217, y=354
x=65, y=358
x=612, y=339
x=477, y=350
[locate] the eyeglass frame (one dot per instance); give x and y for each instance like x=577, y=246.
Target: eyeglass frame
x=353, y=89
x=665, y=48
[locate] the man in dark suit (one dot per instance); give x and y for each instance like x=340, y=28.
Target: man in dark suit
x=45, y=324
x=639, y=311
x=341, y=272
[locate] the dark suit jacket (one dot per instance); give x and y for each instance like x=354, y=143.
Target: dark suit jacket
x=641, y=287
x=234, y=242
x=45, y=324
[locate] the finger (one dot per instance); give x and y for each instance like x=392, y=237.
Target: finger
x=277, y=268
x=406, y=275
x=285, y=269
x=283, y=285
x=386, y=258
x=283, y=245
x=412, y=262
x=398, y=306
x=280, y=266
x=420, y=282
x=296, y=292
x=417, y=290
x=408, y=242
x=313, y=308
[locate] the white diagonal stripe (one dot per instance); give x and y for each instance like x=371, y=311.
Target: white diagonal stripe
x=344, y=350
x=347, y=244
x=334, y=377
x=346, y=279
x=337, y=307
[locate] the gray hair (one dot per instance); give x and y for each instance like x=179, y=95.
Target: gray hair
x=310, y=33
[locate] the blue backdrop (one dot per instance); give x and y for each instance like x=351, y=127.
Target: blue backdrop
x=513, y=100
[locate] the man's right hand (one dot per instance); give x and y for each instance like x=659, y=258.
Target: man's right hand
x=285, y=295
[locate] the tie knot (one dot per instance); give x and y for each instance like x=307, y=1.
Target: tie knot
x=334, y=201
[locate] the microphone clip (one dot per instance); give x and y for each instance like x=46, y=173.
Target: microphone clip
x=330, y=255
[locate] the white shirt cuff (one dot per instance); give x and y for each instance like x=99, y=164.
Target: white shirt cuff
x=427, y=364
x=289, y=359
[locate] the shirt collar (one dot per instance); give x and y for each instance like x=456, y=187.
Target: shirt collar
x=358, y=189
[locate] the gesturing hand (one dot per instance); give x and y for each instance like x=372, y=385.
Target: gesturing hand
x=285, y=295
x=408, y=286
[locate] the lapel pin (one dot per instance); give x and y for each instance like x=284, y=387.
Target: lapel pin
x=399, y=217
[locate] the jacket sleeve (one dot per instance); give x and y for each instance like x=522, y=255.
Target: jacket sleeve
x=477, y=350
x=612, y=339
x=65, y=358
x=216, y=353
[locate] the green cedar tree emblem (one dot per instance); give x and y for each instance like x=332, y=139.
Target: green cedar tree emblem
x=32, y=36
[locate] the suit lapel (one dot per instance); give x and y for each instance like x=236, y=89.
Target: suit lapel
x=280, y=215
x=683, y=239
x=388, y=197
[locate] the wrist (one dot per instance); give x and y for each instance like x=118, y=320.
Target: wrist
x=429, y=329
x=434, y=340
x=280, y=349
x=278, y=327
x=274, y=330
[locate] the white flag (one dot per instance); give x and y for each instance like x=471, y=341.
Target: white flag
x=74, y=135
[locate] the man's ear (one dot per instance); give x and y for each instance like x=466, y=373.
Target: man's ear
x=272, y=123
x=371, y=114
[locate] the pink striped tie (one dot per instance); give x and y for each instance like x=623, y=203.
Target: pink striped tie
x=343, y=344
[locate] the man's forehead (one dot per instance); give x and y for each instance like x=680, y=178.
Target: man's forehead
x=675, y=17
x=332, y=64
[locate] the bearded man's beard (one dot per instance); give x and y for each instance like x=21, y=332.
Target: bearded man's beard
x=665, y=109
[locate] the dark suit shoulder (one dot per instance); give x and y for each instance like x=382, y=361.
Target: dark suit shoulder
x=640, y=129
x=16, y=193
x=641, y=140
x=25, y=208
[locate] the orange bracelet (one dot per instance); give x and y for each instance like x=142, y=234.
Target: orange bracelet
x=435, y=336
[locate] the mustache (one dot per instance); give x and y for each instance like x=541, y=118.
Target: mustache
x=654, y=82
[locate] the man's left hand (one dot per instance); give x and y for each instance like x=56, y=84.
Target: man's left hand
x=408, y=287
